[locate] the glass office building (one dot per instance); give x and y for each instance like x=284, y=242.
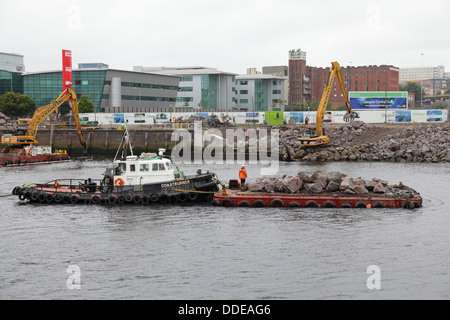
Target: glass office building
x=133, y=91
x=259, y=92
x=45, y=87
x=10, y=81
x=200, y=88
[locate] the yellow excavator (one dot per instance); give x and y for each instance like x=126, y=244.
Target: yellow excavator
x=316, y=137
x=40, y=114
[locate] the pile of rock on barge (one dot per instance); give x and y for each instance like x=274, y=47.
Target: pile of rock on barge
x=319, y=190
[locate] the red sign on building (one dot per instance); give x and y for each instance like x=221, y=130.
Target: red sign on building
x=67, y=69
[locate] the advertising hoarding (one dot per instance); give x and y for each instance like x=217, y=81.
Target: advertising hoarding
x=375, y=100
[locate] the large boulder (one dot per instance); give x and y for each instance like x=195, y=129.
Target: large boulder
x=312, y=188
x=318, y=177
x=379, y=188
x=370, y=184
x=359, y=181
x=347, y=183
x=360, y=190
x=304, y=176
x=256, y=187
x=291, y=184
x=332, y=186
x=335, y=176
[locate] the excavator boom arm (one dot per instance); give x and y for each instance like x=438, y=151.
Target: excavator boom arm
x=335, y=71
x=43, y=112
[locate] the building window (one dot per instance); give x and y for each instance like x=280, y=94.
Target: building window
x=243, y=101
x=185, y=89
x=243, y=83
x=243, y=92
x=185, y=99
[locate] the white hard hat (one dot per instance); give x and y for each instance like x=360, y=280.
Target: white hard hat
x=242, y=166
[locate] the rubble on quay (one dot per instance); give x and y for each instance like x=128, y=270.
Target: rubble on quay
x=416, y=143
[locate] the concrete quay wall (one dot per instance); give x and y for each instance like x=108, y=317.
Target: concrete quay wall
x=106, y=140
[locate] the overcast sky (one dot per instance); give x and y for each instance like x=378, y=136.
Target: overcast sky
x=230, y=35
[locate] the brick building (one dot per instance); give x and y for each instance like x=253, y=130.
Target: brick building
x=366, y=78
x=307, y=83
x=299, y=86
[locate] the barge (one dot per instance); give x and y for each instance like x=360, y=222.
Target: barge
x=33, y=155
x=236, y=198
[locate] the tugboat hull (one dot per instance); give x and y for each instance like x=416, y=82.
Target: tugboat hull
x=198, y=188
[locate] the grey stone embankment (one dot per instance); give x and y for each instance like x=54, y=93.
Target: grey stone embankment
x=329, y=183
x=353, y=142
x=4, y=120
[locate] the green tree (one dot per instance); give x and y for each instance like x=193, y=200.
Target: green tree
x=415, y=88
x=85, y=105
x=16, y=104
x=65, y=108
x=274, y=104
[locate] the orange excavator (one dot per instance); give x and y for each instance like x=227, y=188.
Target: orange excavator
x=316, y=137
x=40, y=114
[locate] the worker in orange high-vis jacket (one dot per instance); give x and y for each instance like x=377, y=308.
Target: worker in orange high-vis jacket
x=242, y=175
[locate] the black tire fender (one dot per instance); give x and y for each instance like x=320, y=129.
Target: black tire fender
x=49, y=198
x=227, y=203
x=277, y=203
x=244, y=204
x=34, y=196
x=154, y=197
x=311, y=204
x=328, y=204
x=137, y=199
x=145, y=199
x=259, y=204
x=95, y=199
x=192, y=196
x=73, y=199
x=294, y=204
x=16, y=190
x=346, y=204
x=360, y=204
x=66, y=199
x=22, y=195
x=112, y=200
x=57, y=198
x=408, y=205
x=42, y=197
x=164, y=198
x=378, y=204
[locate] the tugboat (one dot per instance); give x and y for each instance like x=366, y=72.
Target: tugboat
x=144, y=179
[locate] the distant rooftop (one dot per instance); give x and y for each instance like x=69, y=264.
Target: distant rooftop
x=193, y=70
x=257, y=76
x=93, y=66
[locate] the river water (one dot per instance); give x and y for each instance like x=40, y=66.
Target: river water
x=206, y=252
